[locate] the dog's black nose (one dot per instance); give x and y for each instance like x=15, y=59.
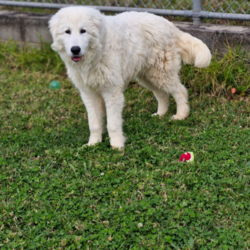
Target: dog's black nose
x=75, y=50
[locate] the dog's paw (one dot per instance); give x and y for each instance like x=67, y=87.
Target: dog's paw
x=116, y=148
x=94, y=138
x=118, y=145
x=118, y=142
x=92, y=143
x=158, y=114
x=178, y=117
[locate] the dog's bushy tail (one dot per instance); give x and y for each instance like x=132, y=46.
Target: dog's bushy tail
x=193, y=50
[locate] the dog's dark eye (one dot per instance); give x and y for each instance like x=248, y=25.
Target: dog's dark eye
x=68, y=31
x=82, y=31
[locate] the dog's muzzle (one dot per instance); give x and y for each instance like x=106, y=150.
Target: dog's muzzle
x=75, y=51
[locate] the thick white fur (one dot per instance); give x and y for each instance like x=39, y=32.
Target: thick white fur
x=117, y=49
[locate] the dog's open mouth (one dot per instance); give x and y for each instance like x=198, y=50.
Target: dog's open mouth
x=76, y=58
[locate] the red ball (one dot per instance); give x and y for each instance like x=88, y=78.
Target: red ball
x=189, y=156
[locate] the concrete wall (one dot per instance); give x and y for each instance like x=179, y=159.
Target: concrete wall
x=218, y=37
x=24, y=27
x=30, y=27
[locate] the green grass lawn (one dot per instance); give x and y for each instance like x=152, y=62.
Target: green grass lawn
x=55, y=193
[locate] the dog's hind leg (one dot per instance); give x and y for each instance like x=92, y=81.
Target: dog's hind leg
x=180, y=94
x=96, y=110
x=161, y=96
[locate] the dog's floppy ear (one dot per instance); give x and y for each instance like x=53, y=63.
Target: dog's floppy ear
x=54, y=28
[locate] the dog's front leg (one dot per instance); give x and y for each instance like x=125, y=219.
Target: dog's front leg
x=96, y=110
x=114, y=101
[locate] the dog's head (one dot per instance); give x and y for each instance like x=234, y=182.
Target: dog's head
x=76, y=32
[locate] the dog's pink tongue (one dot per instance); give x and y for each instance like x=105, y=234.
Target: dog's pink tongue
x=76, y=59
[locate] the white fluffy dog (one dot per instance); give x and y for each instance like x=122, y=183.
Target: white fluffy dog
x=104, y=53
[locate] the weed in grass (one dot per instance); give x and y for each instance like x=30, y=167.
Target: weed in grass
x=57, y=194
